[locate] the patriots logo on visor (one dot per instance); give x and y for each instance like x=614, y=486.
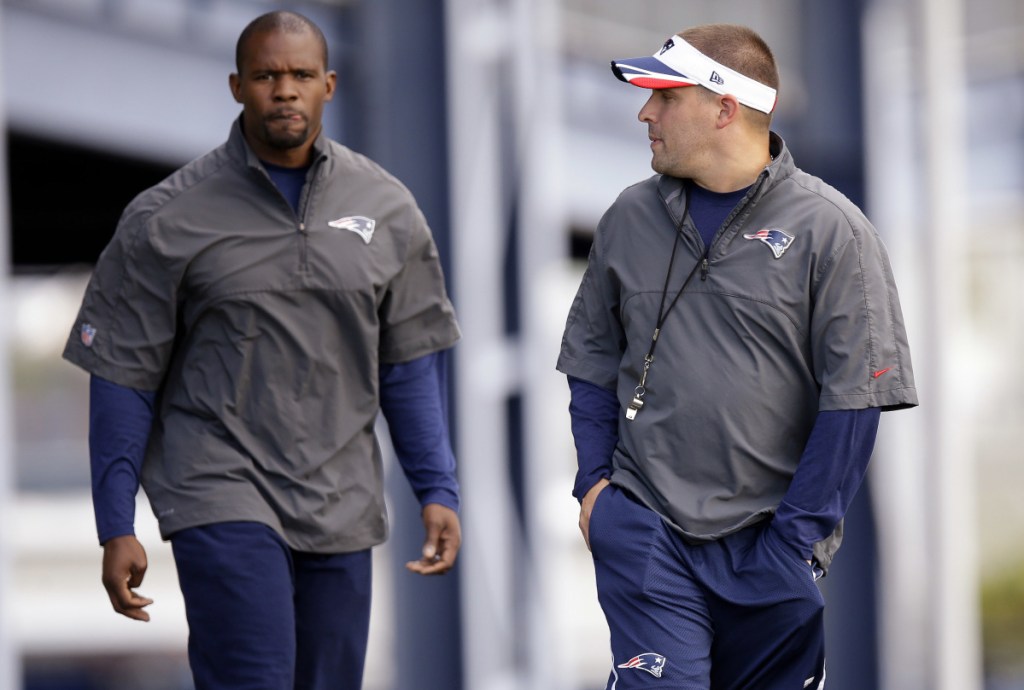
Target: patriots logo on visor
x=648, y=661
x=360, y=225
x=776, y=240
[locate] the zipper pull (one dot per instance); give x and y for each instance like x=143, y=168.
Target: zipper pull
x=704, y=268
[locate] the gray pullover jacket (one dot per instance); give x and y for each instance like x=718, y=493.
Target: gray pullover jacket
x=263, y=330
x=792, y=310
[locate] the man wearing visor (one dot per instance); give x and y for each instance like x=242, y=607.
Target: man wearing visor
x=730, y=349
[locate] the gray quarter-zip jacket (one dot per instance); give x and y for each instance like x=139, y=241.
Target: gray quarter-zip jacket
x=791, y=311
x=263, y=330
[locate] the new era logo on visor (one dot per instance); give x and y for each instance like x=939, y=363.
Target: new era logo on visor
x=360, y=225
x=716, y=78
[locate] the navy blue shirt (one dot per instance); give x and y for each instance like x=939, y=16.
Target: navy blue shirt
x=708, y=209
x=119, y=423
x=289, y=181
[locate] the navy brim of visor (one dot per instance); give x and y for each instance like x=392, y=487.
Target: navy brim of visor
x=649, y=73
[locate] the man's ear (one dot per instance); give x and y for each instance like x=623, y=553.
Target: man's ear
x=332, y=83
x=236, y=87
x=729, y=110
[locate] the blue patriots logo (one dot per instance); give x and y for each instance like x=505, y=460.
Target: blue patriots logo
x=360, y=225
x=777, y=240
x=648, y=661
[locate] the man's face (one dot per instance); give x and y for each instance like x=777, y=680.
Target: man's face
x=680, y=123
x=282, y=86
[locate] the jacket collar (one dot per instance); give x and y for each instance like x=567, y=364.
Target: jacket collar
x=781, y=167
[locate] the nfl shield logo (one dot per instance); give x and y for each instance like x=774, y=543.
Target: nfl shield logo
x=88, y=333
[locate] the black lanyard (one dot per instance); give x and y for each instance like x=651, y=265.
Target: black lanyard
x=641, y=390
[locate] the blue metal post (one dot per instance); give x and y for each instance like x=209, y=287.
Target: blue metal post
x=392, y=88
x=828, y=141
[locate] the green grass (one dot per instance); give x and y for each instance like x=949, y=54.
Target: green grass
x=1002, y=620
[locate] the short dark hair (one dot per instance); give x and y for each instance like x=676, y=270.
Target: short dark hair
x=278, y=20
x=737, y=47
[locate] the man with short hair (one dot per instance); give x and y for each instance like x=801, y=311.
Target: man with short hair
x=732, y=343
x=250, y=317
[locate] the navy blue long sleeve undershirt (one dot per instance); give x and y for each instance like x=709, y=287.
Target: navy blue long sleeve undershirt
x=119, y=422
x=594, y=416
x=831, y=469
x=413, y=400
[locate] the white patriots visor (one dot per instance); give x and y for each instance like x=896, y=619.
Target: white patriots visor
x=680, y=64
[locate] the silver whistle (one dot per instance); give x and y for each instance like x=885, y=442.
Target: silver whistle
x=638, y=392
x=637, y=403
x=634, y=407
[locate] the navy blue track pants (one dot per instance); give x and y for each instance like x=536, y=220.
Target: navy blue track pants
x=740, y=613
x=264, y=617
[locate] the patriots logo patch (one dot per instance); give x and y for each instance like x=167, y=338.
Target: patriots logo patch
x=648, y=661
x=360, y=225
x=777, y=240
x=88, y=333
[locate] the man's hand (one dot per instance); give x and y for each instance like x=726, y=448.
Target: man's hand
x=124, y=566
x=444, y=536
x=587, y=506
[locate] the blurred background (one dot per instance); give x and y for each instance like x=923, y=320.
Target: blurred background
x=503, y=118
